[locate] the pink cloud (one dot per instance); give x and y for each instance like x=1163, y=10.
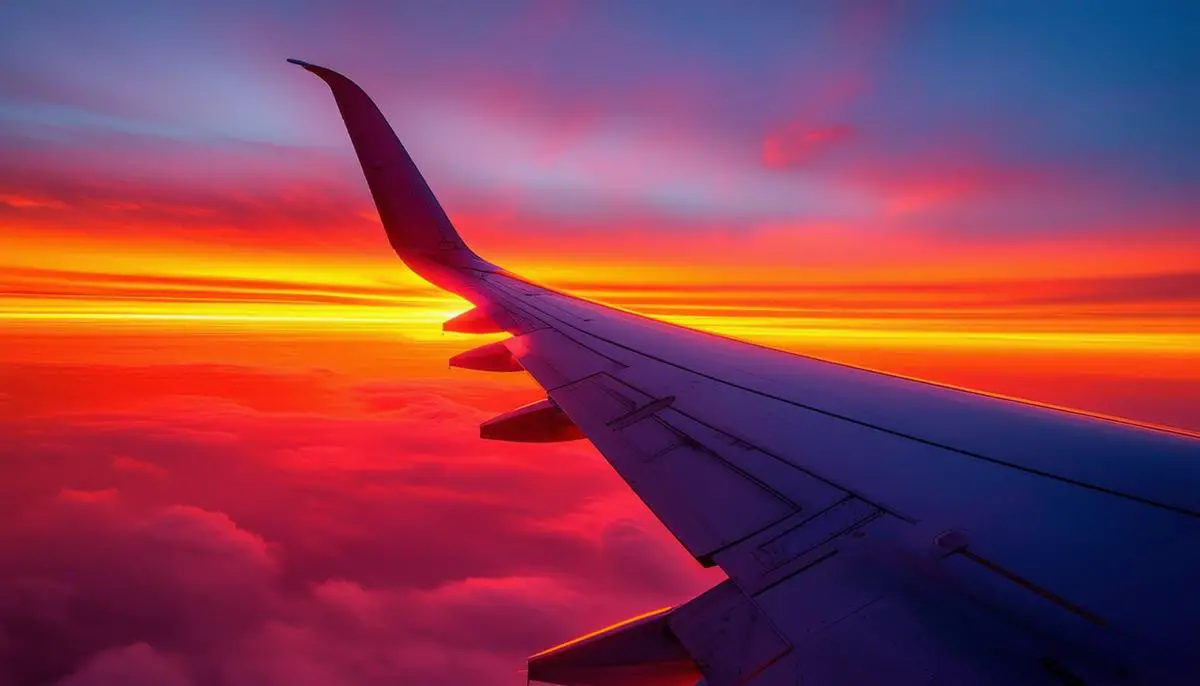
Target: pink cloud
x=136, y=466
x=307, y=546
x=796, y=143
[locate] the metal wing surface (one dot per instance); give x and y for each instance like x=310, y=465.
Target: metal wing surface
x=873, y=528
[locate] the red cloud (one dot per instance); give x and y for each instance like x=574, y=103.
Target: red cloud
x=107, y=495
x=22, y=202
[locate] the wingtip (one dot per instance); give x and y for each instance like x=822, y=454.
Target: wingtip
x=301, y=63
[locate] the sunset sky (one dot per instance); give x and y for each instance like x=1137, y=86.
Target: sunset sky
x=232, y=451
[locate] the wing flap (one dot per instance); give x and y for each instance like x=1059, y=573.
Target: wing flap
x=640, y=651
x=729, y=637
x=720, y=634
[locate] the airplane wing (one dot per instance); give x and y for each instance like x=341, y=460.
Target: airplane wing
x=873, y=528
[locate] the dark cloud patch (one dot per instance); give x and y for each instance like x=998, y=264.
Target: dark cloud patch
x=84, y=575
x=136, y=664
x=136, y=466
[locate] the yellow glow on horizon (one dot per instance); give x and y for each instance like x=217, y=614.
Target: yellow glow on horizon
x=425, y=322
x=92, y=280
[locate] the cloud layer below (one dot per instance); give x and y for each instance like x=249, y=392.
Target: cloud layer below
x=361, y=535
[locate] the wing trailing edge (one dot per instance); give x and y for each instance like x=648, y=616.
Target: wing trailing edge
x=720, y=635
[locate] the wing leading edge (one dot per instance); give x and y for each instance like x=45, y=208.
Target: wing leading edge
x=873, y=527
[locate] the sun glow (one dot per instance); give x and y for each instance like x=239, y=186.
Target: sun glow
x=79, y=281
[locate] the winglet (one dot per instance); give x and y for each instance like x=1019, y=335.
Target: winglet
x=417, y=227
